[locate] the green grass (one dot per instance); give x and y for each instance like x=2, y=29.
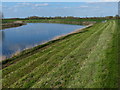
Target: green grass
x=82, y=60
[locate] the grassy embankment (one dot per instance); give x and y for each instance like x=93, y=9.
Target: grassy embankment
x=83, y=60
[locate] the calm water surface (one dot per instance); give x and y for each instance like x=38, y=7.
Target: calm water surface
x=27, y=36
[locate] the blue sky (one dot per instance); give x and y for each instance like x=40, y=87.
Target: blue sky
x=77, y=9
x=60, y=0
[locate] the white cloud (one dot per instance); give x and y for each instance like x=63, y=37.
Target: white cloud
x=77, y=7
x=24, y=4
x=44, y=4
x=83, y=6
x=91, y=2
x=66, y=7
x=109, y=0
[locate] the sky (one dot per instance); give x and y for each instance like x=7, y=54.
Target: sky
x=60, y=0
x=47, y=9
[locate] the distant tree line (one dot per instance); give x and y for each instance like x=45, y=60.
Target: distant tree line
x=71, y=17
x=67, y=17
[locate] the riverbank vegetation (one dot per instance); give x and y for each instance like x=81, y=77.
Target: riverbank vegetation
x=85, y=59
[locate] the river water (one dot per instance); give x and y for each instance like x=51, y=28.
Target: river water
x=27, y=36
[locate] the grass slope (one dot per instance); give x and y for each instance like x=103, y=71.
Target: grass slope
x=83, y=60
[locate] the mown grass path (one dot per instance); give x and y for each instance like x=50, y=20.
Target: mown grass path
x=88, y=59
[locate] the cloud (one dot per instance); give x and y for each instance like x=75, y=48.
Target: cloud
x=25, y=4
x=77, y=7
x=110, y=0
x=21, y=5
x=66, y=7
x=84, y=6
x=38, y=5
x=92, y=2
